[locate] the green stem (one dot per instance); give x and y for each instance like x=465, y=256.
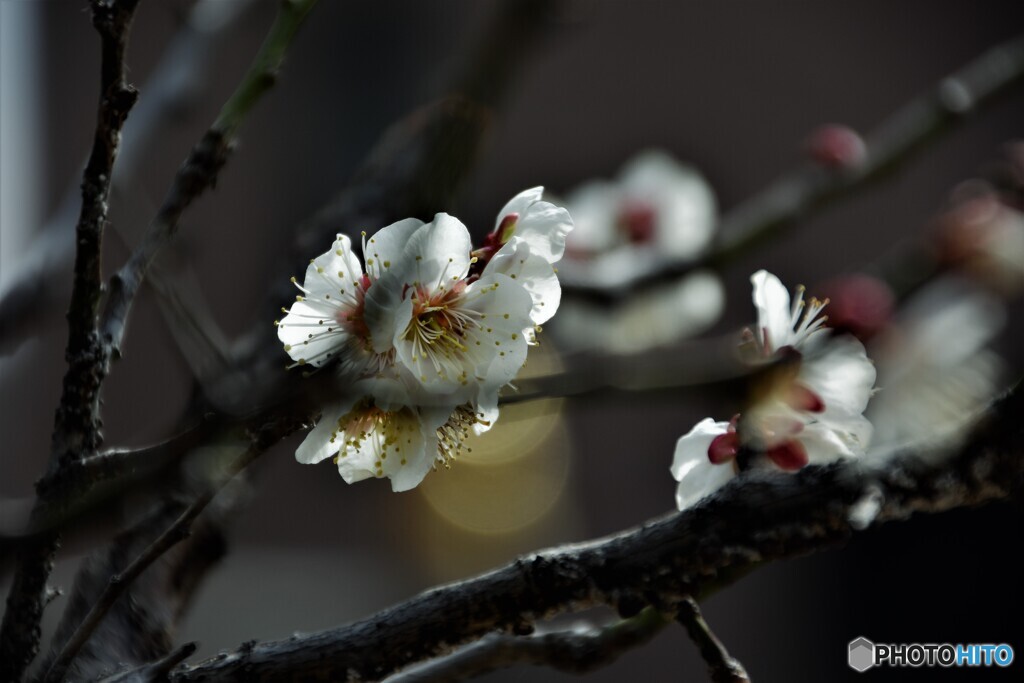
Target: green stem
x=265, y=67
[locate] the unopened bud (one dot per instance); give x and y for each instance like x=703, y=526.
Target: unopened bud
x=836, y=147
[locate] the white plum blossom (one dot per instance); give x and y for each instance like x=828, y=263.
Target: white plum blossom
x=327, y=321
x=426, y=337
x=657, y=210
x=812, y=411
x=657, y=207
x=935, y=363
x=401, y=443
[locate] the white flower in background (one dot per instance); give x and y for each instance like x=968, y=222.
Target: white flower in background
x=656, y=206
x=811, y=413
x=327, y=321
x=656, y=211
x=934, y=363
x=426, y=337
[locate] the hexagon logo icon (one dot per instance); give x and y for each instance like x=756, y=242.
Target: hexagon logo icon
x=861, y=654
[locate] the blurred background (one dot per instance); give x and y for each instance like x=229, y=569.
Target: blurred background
x=732, y=89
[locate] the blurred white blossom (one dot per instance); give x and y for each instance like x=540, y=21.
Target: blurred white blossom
x=934, y=366
x=656, y=211
x=812, y=412
x=425, y=338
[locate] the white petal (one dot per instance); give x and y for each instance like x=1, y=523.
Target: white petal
x=317, y=445
x=535, y=274
x=842, y=376
x=506, y=308
x=335, y=273
x=594, y=210
x=693, y=446
x=773, y=313
x=438, y=253
x=696, y=474
x=487, y=410
x=823, y=445
x=310, y=332
x=384, y=248
x=418, y=452
x=519, y=204
x=543, y=227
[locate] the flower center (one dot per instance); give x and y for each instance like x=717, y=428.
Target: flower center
x=351, y=315
x=638, y=221
x=438, y=328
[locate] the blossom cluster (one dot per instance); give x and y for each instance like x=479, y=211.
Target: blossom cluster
x=424, y=332
x=811, y=412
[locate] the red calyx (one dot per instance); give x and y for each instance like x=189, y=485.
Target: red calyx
x=637, y=220
x=724, y=448
x=788, y=455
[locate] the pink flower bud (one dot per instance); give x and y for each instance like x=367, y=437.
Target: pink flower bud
x=836, y=147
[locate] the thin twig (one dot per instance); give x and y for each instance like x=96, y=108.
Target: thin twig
x=577, y=651
x=810, y=188
x=199, y=171
x=722, y=666
x=759, y=517
x=178, y=531
x=172, y=88
x=76, y=432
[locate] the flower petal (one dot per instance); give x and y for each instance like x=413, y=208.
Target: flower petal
x=311, y=333
x=519, y=204
x=842, y=376
x=773, y=314
x=544, y=227
x=384, y=248
x=318, y=444
x=535, y=274
x=692, y=468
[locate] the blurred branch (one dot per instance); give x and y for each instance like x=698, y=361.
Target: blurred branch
x=810, y=188
x=178, y=531
x=576, y=651
x=759, y=517
x=722, y=666
x=199, y=172
x=155, y=671
x=40, y=286
x=76, y=431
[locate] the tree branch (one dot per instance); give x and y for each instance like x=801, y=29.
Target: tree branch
x=759, y=517
x=577, y=651
x=76, y=425
x=721, y=665
x=810, y=188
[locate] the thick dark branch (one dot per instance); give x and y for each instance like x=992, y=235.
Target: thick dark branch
x=76, y=431
x=721, y=665
x=577, y=651
x=810, y=188
x=759, y=517
x=199, y=171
